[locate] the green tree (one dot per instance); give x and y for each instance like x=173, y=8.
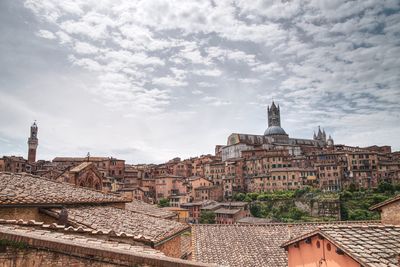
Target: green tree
x=239, y=197
x=385, y=187
x=207, y=217
x=352, y=187
x=163, y=202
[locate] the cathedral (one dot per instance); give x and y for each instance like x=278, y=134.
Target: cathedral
x=273, y=138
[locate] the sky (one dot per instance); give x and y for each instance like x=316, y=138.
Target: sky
x=150, y=80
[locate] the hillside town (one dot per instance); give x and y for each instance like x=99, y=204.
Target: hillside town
x=178, y=133
x=247, y=163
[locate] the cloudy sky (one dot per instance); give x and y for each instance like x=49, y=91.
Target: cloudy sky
x=153, y=79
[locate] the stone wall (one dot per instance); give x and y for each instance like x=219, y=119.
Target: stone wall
x=172, y=247
x=10, y=256
x=25, y=251
x=26, y=214
x=390, y=213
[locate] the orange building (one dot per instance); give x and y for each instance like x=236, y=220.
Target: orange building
x=346, y=246
x=171, y=187
x=196, y=182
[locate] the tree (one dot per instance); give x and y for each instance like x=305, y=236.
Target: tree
x=385, y=187
x=239, y=197
x=352, y=187
x=207, y=217
x=163, y=202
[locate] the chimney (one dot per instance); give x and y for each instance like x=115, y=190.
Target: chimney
x=63, y=217
x=290, y=226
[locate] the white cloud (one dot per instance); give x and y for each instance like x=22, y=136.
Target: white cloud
x=249, y=81
x=215, y=101
x=169, y=81
x=208, y=72
x=46, y=34
x=85, y=48
x=205, y=84
x=197, y=92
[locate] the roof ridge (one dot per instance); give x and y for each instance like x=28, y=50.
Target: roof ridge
x=294, y=223
x=70, y=229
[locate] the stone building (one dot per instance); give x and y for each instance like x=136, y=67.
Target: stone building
x=275, y=137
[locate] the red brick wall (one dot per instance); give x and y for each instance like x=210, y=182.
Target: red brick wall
x=171, y=248
x=10, y=257
x=25, y=214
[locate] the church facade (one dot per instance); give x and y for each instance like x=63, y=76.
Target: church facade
x=274, y=138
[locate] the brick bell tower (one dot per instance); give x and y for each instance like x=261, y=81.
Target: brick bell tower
x=33, y=143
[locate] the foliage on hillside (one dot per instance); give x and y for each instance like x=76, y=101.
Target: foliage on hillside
x=280, y=205
x=355, y=204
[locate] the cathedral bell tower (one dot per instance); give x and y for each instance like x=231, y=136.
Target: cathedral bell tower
x=274, y=115
x=33, y=143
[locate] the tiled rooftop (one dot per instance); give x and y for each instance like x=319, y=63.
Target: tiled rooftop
x=81, y=245
x=241, y=245
x=81, y=166
x=386, y=202
x=227, y=211
x=148, y=209
x=74, y=239
x=25, y=189
x=254, y=220
x=142, y=227
x=371, y=245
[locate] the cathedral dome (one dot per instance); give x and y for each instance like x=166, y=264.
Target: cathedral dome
x=274, y=130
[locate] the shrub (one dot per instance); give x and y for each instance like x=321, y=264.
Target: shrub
x=207, y=217
x=163, y=202
x=385, y=187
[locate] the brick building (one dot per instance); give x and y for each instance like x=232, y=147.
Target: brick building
x=107, y=166
x=84, y=175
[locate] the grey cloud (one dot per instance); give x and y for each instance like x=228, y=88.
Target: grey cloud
x=156, y=75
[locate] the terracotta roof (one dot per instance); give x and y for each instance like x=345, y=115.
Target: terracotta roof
x=25, y=189
x=199, y=203
x=227, y=211
x=89, y=246
x=80, y=158
x=141, y=227
x=386, y=202
x=235, y=204
x=254, y=220
x=244, y=245
x=212, y=206
x=81, y=166
x=369, y=245
x=148, y=209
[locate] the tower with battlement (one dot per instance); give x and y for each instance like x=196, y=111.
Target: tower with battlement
x=33, y=143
